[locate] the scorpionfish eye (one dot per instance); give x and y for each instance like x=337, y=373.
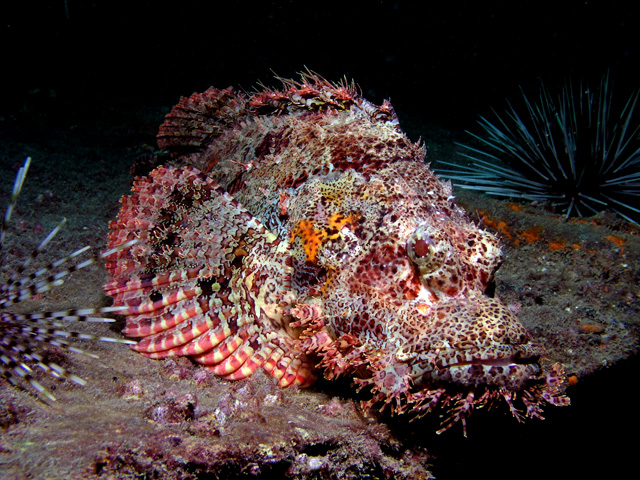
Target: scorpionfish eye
x=428, y=249
x=447, y=261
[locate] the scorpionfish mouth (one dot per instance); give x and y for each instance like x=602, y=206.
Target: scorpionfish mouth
x=480, y=343
x=487, y=368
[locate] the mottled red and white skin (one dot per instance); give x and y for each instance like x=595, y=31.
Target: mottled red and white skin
x=300, y=231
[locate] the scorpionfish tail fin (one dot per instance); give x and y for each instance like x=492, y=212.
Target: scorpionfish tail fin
x=205, y=279
x=198, y=119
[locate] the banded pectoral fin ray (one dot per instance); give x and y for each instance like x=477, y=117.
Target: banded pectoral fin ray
x=205, y=279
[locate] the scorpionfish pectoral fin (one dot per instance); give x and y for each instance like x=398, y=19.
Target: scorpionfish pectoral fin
x=205, y=279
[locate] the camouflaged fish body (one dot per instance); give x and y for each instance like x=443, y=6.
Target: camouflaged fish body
x=301, y=231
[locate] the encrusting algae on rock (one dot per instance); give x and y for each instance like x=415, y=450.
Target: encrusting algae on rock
x=300, y=231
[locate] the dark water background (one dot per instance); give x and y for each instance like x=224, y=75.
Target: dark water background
x=444, y=61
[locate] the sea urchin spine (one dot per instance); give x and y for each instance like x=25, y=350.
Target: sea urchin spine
x=23, y=336
x=578, y=151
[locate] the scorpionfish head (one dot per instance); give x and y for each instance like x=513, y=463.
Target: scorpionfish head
x=405, y=287
x=461, y=335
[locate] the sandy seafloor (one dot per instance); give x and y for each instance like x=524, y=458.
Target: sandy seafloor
x=575, y=285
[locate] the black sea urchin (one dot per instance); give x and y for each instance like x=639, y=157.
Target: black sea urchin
x=24, y=337
x=579, y=151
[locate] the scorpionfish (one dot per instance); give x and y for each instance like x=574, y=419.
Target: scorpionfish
x=300, y=231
